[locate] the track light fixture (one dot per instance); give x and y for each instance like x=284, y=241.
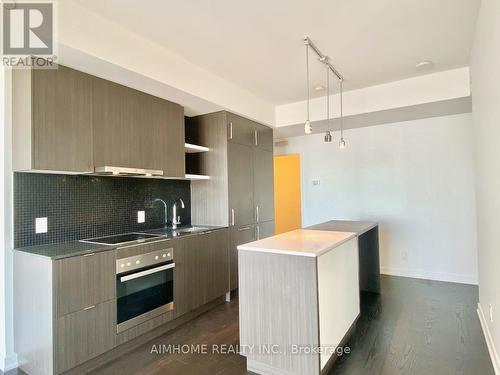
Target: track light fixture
x=325, y=60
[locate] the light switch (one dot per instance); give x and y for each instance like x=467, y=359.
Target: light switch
x=141, y=216
x=316, y=182
x=41, y=225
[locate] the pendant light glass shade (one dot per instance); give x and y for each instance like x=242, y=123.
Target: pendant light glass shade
x=328, y=136
x=307, y=125
x=342, y=143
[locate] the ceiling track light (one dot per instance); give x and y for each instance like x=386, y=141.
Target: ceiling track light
x=325, y=60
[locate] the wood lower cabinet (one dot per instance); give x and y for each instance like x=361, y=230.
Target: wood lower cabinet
x=206, y=268
x=85, y=334
x=239, y=236
x=84, y=281
x=66, y=309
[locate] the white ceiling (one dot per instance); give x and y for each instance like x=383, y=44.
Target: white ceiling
x=258, y=44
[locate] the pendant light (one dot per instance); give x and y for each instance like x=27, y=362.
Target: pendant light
x=307, y=125
x=342, y=143
x=328, y=135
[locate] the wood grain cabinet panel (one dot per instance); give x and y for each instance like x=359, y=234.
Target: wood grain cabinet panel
x=240, y=130
x=239, y=236
x=135, y=130
x=265, y=230
x=52, y=117
x=85, y=334
x=263, y=137
x=240, y=173
x=84, y=281
x=206, y=267
x=263, y=185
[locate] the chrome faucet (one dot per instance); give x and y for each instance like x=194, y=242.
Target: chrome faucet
x=176, y=220
x=165, y=206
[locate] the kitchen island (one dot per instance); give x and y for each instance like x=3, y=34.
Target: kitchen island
x=299, y=298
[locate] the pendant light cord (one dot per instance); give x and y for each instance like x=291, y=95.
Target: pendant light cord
x=307, y=79
x=328, y=96
x=341, y=111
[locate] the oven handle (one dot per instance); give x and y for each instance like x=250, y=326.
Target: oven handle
x=147, y=272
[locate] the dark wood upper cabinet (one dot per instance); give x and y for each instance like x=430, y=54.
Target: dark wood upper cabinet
x=240, y=130
x=52, y=120
x=263, y=137
x=136, y=130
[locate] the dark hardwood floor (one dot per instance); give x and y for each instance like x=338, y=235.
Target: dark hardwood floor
x=415, y=327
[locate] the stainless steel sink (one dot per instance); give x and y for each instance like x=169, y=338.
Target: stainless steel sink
x=178, y=231
x=191, y=229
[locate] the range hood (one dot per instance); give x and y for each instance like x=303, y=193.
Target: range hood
x=121, y=171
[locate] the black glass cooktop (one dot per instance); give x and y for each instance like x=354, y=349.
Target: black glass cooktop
x=120, y=238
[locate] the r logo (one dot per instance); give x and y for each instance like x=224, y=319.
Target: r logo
x=27, y=28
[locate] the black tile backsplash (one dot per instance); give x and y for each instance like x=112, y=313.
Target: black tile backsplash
x=80, y=207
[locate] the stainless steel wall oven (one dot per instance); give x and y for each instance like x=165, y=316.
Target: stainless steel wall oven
x=144, y=287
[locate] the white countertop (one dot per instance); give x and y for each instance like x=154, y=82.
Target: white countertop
x=301, y=242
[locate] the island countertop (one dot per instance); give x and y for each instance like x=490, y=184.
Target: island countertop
x=300, y=242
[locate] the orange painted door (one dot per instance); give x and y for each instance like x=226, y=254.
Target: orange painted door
x=287, y=198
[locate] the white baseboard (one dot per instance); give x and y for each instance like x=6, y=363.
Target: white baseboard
x=489, y=340
x=8, y=362
x=437, y=276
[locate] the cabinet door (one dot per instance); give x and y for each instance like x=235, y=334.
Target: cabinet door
x=206, y=267
x=84, y=281
x=179, y=277
x=265, y=230
x=85, y=334
x=240, y=175
x=217, y=282
x=239, y=236
x=240, y=130
x=194, y=257
x=263, y=183
x=264, y=137
x=62, y=120
x=136, y=130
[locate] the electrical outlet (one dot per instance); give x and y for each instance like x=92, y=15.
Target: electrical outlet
x=491, y=313
x=141, y=216
x=41, y=225
x=316, y=182
x=404, y=256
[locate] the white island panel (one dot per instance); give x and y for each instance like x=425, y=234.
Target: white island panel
x=338, y=292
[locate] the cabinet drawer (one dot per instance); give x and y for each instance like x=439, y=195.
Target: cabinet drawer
x=85, y=334
x=84, y=281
